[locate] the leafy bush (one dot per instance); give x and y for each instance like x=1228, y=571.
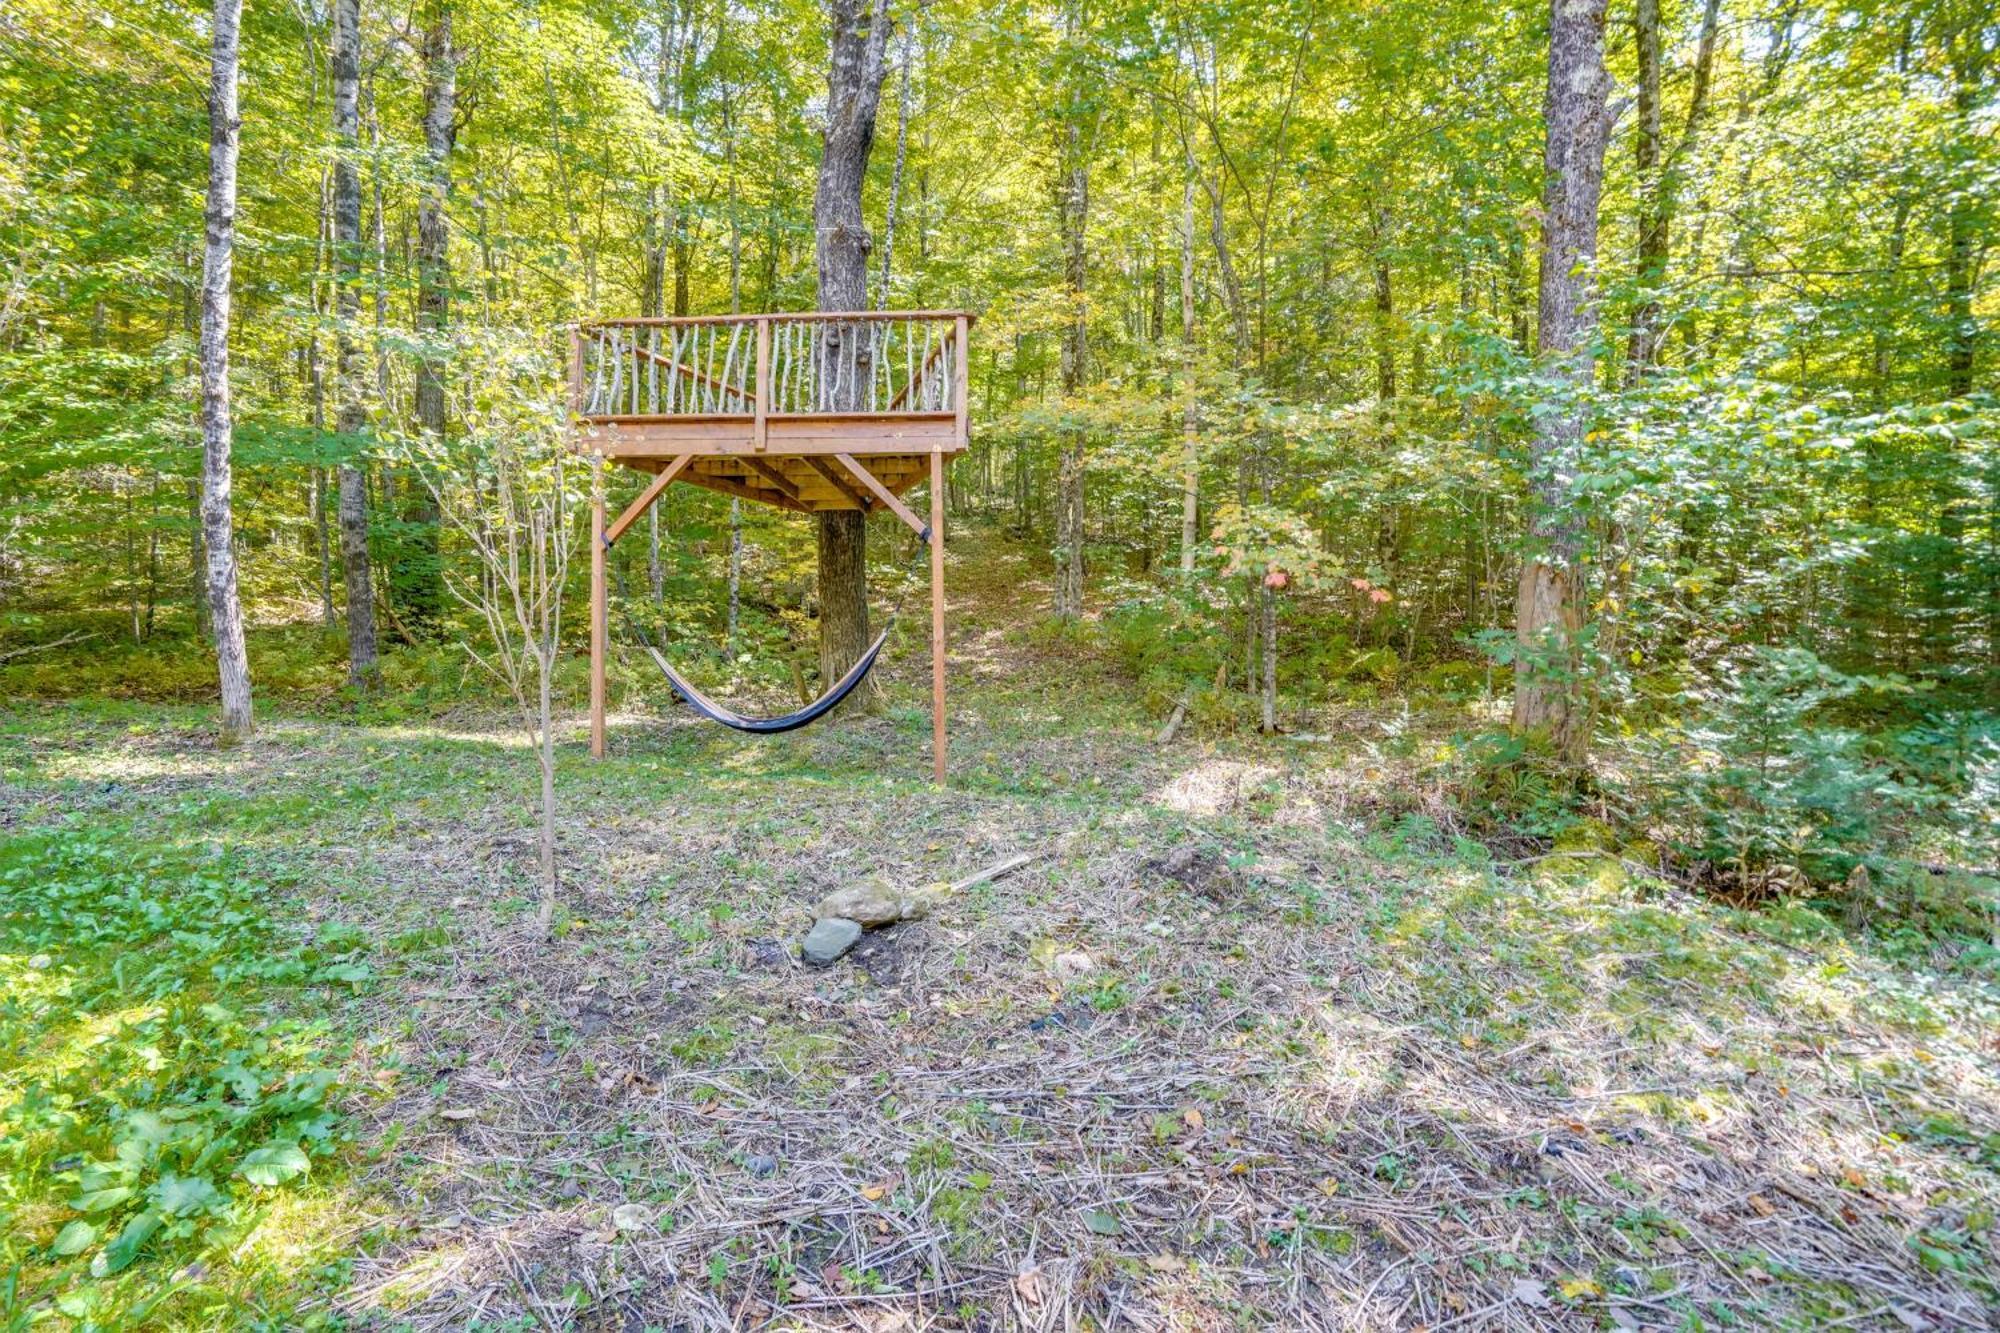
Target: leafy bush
x=1512, y=787
x=1170, y=644
x=146, y=1105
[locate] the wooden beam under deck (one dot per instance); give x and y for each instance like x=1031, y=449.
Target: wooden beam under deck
x=803, y=484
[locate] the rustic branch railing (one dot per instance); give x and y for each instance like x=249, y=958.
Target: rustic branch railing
x=883, y=363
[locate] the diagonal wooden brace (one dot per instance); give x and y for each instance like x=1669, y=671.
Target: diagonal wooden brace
x=645, y=501
x=833, y=478
x=885, y=495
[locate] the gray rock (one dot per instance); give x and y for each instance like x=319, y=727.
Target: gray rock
x=830, y=937
x=877, y=902
x=761, y=1165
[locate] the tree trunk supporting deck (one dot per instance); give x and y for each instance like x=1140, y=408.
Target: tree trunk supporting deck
x=803, y=461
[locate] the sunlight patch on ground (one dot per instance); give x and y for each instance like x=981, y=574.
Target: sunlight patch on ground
x=102, y=765
x=1211, y=787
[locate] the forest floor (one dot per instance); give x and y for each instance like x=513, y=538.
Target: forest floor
x=1253, y=1042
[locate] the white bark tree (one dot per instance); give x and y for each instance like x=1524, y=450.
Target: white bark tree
x=217, y=429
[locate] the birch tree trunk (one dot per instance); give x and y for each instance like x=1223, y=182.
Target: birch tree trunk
x=419, y=583
x=350, y=419
x=855, y=70
x=1659, y=171
x=1652, y=237
x=1547, y=609
x=218, y=529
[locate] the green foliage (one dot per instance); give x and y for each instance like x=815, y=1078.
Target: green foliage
x=1763, y=784
x=152, y=1103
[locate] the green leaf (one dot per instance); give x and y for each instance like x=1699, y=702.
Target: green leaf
x=274, y=1165
x=1102, y=1222
x=75, y=1238
x=351, y=973
x=178, y=1196
x=119, y=1254
x=96, y=1201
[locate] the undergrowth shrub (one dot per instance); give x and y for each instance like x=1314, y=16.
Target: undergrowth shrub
x=149, y=1107
x=1170, y=645
x=1761, y=786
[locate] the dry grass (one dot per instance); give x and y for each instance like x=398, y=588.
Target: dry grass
x=1320, y=1073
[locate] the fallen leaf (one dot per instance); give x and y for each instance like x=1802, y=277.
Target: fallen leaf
x=1854, y=1178
x=1577, y=1288
x=457, y=1113
x=1763, y=1206
x=1102, y=1223
x=1329, y=1187
x=1192, y=1118
x=1165, y=1263
x=1028, y=1283
x=1530, y=1292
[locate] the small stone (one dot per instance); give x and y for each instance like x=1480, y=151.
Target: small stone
x=830, y=937
x=632, y=1217
x=40, y=962
x=761, y=1165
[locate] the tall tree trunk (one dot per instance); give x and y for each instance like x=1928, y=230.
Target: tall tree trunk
x=855, y=70
x=896, y=174
x=217, y=523
x=1190, y=410
x=1659, y=171
x=1385, y=305
x=419, y=582
x=656, y=575
x=351, y=417
x=1073, y=215
x=1652, y=237
x=1547, y=611
x=735, y=582
x=316, y=376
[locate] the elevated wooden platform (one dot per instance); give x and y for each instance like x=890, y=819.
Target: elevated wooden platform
x=804, y=412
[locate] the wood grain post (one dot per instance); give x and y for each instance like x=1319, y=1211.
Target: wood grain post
x=761, y=432
x=597, y=606
x=937, y=616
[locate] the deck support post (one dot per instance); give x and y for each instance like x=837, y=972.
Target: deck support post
x=597, y=606
x=937, y=617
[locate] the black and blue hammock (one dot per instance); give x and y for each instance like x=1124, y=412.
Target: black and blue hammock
x=772, y=726
x=766, y=726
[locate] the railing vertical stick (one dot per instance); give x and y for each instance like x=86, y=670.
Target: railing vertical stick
x=961, y=376
x=762, y=430
x=577, y=406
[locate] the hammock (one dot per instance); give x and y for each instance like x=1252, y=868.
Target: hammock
x=772, y=726
x=766, y=726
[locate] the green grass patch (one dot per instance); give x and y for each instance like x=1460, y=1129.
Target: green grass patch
x=167, y=1128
